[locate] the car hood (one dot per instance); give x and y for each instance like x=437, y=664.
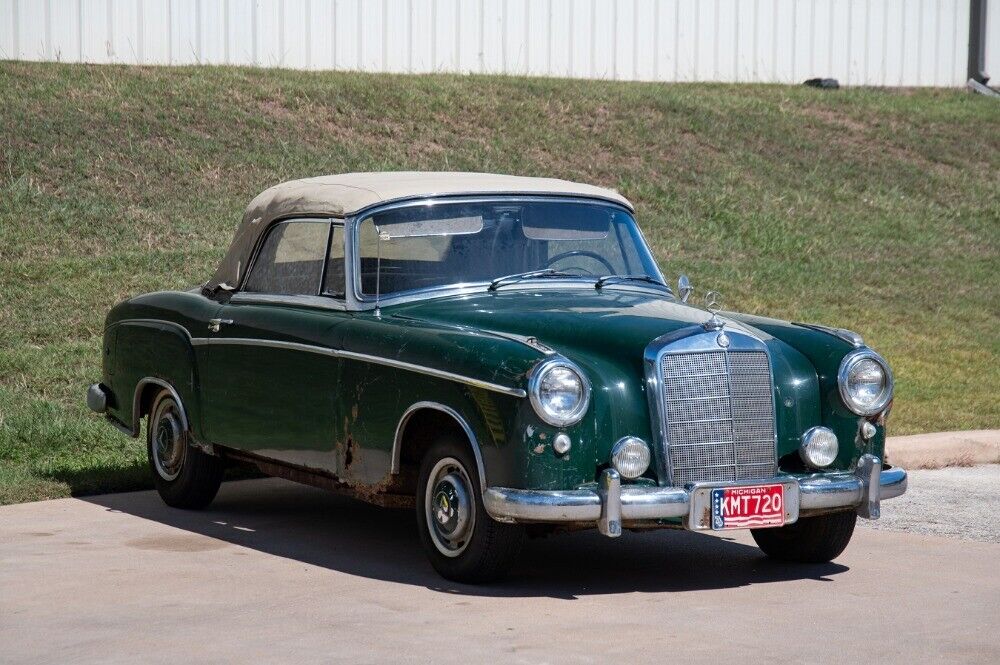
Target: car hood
x=614, y=321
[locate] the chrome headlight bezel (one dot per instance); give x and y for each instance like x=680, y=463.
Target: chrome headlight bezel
x=849, y=362
x=534, y=384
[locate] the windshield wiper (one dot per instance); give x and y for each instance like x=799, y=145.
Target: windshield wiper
x=606, y=279
x=518, y=276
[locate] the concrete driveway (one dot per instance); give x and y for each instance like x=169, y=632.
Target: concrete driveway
x=276, y=572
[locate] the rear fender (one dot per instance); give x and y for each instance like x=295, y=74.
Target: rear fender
x=149, y=355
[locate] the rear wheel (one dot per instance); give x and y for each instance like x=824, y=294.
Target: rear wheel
x=810, y=540
x=461, y=540
x=184, y=476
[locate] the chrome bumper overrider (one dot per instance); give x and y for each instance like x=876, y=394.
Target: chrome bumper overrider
x=612, y=503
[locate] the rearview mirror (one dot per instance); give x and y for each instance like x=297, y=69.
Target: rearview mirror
x=684, y=288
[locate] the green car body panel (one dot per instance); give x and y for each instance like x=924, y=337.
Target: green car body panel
x=324, y=401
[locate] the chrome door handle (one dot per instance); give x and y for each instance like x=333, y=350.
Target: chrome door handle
x=215, y=324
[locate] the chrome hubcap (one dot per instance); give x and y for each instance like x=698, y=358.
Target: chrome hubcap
x=169, y=445
x=449, y=507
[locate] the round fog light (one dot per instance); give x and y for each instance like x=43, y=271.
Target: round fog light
x=819, y=447
x=630, y=457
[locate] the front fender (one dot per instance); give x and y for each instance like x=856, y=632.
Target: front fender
x=825, y=351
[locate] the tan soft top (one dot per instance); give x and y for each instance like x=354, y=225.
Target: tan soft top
x=346, y=194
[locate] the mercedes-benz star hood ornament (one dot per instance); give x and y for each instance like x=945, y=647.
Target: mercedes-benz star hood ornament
x=713, y=300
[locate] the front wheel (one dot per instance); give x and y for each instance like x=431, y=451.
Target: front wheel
x=817, y=539
x=184, y=476
x=462, y=541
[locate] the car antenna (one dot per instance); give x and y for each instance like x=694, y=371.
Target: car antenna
x=380, y=235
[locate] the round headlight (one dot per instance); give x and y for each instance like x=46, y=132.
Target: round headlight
x=630, y=457
x=559, y=392
x=865, y=382
x=819, y=447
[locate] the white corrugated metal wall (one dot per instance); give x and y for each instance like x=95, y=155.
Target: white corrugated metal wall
x=860, y=42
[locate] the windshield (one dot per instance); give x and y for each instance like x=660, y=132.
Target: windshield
x=426, y=246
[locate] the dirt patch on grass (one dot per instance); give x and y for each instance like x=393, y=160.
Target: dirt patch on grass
x=839, y=120
x=870, y=140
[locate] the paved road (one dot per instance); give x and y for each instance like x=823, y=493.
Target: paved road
x=955, y=502
x=281, y=573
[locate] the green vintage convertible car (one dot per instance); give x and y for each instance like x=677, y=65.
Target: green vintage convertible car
x=504, y=354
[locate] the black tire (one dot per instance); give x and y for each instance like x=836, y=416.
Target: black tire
x=817, y=539
x=487, y=549
x=184, y=476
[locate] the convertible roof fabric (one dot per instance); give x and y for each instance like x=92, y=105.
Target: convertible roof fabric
x=348, y=193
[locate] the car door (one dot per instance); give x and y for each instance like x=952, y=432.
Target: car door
x=270, y=383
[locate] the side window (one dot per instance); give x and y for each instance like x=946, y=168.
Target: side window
x=336, y=280
x=291, y=260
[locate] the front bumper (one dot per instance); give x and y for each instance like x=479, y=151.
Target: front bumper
x=612, y=504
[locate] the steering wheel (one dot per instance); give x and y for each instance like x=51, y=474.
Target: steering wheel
x=582, y=252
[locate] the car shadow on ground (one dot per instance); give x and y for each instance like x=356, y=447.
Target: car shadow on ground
x=334, y=532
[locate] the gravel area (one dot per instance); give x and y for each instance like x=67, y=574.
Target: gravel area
x=954, y=502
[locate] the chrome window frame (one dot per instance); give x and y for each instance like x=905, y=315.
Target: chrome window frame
x=320, y=301
x=357, y=301
x=693, y=339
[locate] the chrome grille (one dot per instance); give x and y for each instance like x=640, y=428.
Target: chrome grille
x=719, y=416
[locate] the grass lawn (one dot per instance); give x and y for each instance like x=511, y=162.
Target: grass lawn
x=875, y=210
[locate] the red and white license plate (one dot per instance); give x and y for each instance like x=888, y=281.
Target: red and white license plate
x=748, y=507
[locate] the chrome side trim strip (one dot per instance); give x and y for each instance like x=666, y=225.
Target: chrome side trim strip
x=248, y=341
x=339, y=353
x=152, y=322
x=430, y=371
x=363, y=357
x=527, y=340
x=397, y=442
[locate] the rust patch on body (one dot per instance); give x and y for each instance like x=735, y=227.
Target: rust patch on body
x=349, y=453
